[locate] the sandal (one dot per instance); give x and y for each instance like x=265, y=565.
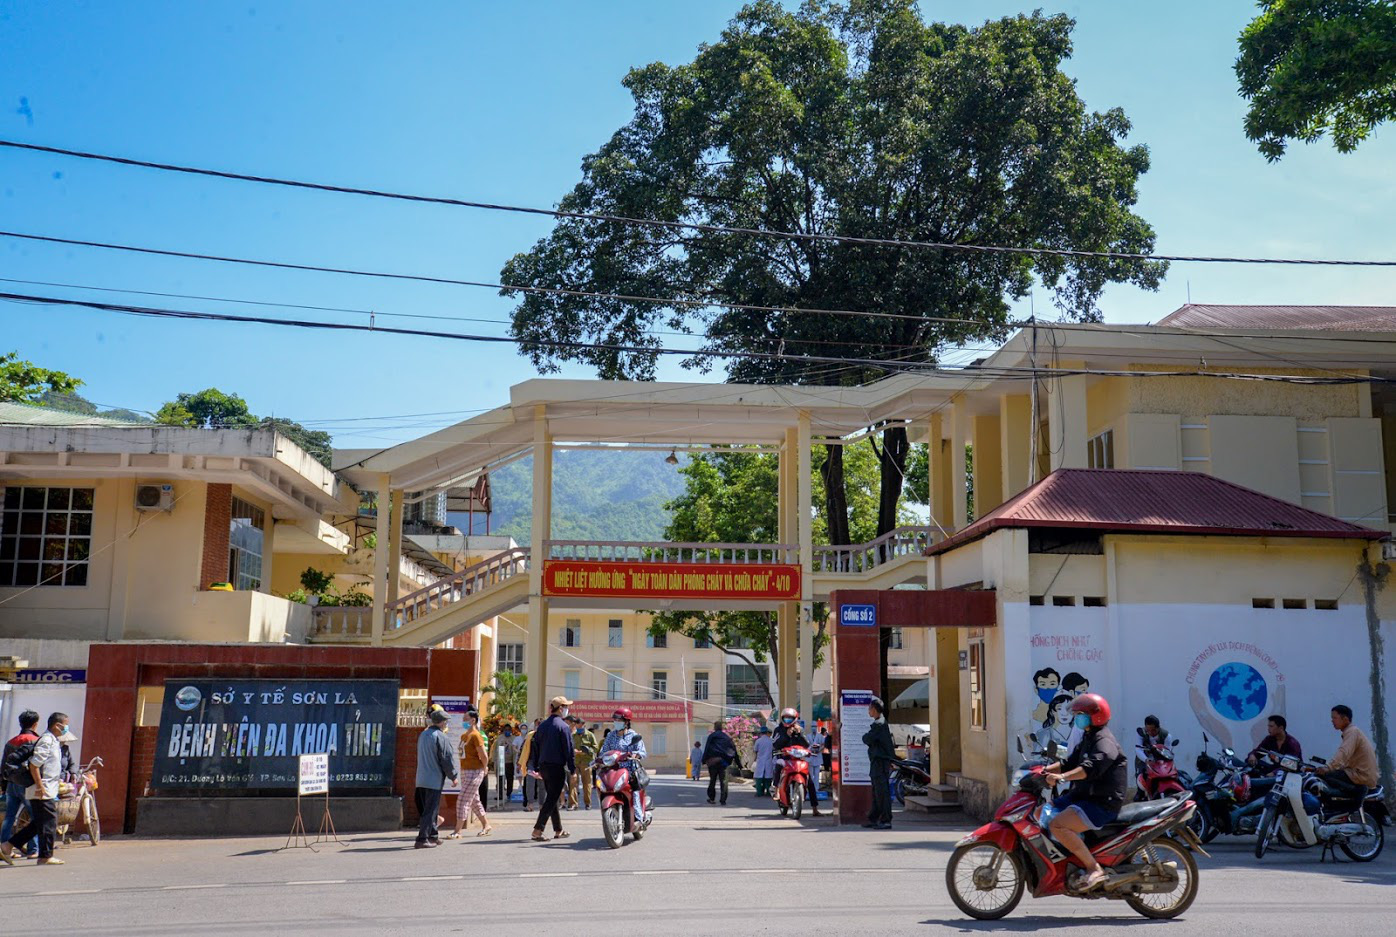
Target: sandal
x=537, y=836
x=486, y=831
x=453, y=836
x=561, y=834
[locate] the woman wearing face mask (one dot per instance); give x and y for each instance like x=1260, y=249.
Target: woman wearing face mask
x=789, y=734
x=473, y=762
x=1101, y=766
x=622, y=738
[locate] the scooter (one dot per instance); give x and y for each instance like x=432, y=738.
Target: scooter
x=1354, y=824
x=1222, y=787
x=1160, y=775
x=1146, y=852
x=794, y=776
x=909, y=779
x=611, y=777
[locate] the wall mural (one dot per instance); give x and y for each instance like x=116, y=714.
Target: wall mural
x=1067, y=658
x=1233, y=688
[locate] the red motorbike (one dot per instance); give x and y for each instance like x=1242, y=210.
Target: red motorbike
x=794, y=776
x=1146, y=853
x=1160, y=775
x=618, y=798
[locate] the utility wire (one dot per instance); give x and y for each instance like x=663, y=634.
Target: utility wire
x=682, y=225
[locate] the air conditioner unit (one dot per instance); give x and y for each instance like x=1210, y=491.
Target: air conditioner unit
x=155, y=498
x=1388, y=550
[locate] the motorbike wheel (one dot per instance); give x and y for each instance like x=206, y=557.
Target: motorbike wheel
x=1202, y=827
x=1370, y=844
x=797, y=801
x=974, y=893
x=1265, y=831
x=1171, y=904
x=899, y=790
x=613, y=825
x=91, y=820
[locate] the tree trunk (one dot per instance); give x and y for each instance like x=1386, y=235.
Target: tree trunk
x=835, y=496
x=892, y=458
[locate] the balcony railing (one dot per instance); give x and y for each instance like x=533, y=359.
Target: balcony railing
x=866, y=557
x=469, y=581
x=619, y=551
x=348, y=620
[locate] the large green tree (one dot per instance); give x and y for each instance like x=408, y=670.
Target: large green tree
x=853, y=120
x=1316, y=67
x=214, y=409
x=26, y=382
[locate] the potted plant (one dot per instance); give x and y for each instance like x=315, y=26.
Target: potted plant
x=315, y=583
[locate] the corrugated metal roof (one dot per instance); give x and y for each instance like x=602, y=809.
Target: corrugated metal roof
x=1323, y=318
x=1125, y=500
x=23, y=414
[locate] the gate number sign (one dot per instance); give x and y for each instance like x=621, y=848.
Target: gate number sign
x=863, y=616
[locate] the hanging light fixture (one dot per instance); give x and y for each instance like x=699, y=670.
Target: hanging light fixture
x=672, y=458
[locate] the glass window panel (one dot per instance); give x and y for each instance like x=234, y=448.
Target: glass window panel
x=9, y=521
x=33, y=499
x=7, y=547
x=31, y=523
x=82, y=499
x=78, y=548
x=80, y=525
x=56, y=524
x=7, y=574
x=51, y=574
x=55, y=548
x=26, y=574
x=11, y=498
x=76, y=575
x=59, y=498
x=29, y=548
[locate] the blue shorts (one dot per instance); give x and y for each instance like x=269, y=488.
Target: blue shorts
x=1091, y=812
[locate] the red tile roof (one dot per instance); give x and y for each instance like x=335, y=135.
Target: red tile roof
x=1137, y=501
x=1325, y=318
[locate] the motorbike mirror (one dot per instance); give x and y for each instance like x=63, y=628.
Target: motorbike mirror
x=1229, y=752
x=1052, y=749
x=639, y=737
x=1032, y=736
x=1020, y=745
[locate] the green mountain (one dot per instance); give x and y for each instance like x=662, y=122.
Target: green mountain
x=597, y=495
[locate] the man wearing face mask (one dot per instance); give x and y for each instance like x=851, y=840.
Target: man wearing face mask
x=788, y=735
x=552, y=758
x=622, y=738
x=1100, y=763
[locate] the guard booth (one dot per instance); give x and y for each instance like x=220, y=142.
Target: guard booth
x=858, y=617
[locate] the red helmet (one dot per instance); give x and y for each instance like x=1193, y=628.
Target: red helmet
x=1093, y=705
x=621, y=713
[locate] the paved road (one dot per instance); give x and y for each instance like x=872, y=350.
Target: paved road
x=739, y=869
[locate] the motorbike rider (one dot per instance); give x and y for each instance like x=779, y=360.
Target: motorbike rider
x=622, y=738
x=1354, y=765
x=1277, y=739
x=789, y=735
x=1099, y=762
x=1150, y=735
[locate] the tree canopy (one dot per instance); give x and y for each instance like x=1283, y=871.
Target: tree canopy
x=214, y=409
x=25, y=382
x=1316, y=67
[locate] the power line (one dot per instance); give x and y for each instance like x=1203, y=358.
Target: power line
x=683, y=225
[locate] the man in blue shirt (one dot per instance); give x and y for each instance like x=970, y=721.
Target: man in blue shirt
x=436, y=761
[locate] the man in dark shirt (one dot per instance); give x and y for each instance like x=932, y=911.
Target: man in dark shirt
x=719, y=754
x=881, y=751
x=1101, y=767
x=552, y=757
x=1278, y=740
x=14, y=793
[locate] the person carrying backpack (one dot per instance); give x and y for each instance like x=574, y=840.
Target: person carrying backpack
x=18, y=749
x=45, y=765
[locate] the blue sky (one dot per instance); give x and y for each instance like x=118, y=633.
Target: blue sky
x=499, y=102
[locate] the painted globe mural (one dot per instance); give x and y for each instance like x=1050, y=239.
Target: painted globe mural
x=1237, y=691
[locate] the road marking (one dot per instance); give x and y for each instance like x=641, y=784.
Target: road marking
x=661, y=872
x=322, y=881
x=549, y=874
x=192, y=887
x=432, y=878
x=771, y=871
x=71, y=891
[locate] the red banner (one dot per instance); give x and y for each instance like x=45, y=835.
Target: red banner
x=671, y=580
x=660, y=710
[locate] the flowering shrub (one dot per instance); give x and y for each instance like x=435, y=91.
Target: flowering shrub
x=743, y=731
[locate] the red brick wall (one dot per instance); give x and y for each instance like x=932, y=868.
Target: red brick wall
x=405, y=773
x=218, y=514
x=142, y=765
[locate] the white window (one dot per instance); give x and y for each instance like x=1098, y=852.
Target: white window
x=657, y=640
x=510, y=657
x=613, y=685
x=245, y=546
x=658, y=741
x=572, y=683
x=45, y=536
x=659, y=684
x=703, y=642
x=571, y=634
x=615, y=628
x=700, y=684
x=896, y=639
x=1100, y=450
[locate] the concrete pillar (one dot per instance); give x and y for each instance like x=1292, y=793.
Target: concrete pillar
x=1015, y=442
x=787, y=617
x=804, y=515
x=380, y=560
x=394, y=548
x=536, y=653
x=1066, y=422
x=959, y=438
x=988, y=464
x=941, y=511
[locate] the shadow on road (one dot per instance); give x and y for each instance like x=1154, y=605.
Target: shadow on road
x=1240, y=855
x=1033, y=922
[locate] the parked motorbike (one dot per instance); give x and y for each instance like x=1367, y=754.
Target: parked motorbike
x=611, y=776
x=1222, y=786
x=794, y=775
x=1160, y=775
x=1146, y=852
x=1354, y=824
x=910, y=778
